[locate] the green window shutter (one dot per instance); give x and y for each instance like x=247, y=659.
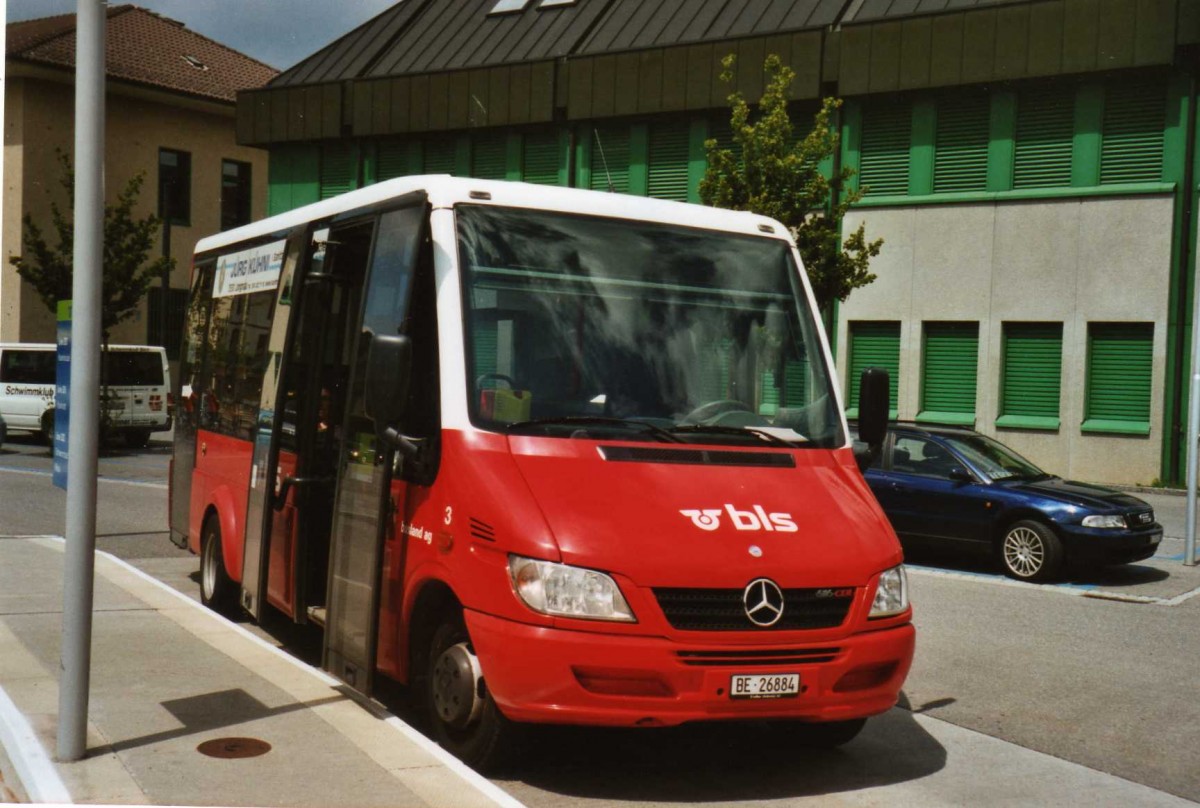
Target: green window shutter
x=391, y=160
x=883, y=159
x=488, y=156
x=768, y=397
x=668, y=166
x=874, y=344
x=1120, y=364
x=1031, y=379
x=540, y=159
x=1131, y=147
x=713, y=371
x=1045, y=133
x=440, y=156
x=949, y=372
x=484, y=335
x=610, y=147
x=720, y=131
x=338, y=169
x=961, y=145
x=795, y=383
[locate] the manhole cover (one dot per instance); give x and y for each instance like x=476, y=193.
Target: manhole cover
x=234, y=748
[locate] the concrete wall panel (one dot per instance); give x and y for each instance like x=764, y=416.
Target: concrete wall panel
x=1072, y=261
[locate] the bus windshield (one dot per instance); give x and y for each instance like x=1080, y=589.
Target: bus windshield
x=582, y=326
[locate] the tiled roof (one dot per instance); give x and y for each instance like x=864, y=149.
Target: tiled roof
x=145, y=48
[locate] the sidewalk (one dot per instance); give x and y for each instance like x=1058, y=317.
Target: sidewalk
x=168, y=676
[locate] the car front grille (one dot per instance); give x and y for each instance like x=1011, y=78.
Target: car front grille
x=723, y=610
x=1140, y=519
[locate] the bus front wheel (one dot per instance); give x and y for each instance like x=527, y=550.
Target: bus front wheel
x=463, y=716
x=216, y=588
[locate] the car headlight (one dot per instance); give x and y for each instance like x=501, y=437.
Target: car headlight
x=891, y=593
x=1116, y=522
x=565, y=591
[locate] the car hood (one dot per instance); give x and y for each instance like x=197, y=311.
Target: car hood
x=1085, y=495
x=673, y=517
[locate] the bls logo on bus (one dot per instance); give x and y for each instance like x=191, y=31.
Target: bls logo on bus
x=755, y=519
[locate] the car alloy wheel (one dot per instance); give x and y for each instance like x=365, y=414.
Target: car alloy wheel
x=1030, y=551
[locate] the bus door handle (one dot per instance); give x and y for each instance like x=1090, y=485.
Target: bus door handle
x=289, y=481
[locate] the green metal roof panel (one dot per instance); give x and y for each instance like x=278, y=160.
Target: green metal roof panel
x=874, y=10
x=636, y=24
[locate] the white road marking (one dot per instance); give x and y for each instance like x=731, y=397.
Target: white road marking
x=115, y=480
x=1078, y=592
x=34, y=768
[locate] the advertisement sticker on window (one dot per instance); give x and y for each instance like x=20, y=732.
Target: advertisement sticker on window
x=253, y=270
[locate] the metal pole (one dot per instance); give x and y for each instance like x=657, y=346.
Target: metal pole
x=1193, y=432
x=79, y=565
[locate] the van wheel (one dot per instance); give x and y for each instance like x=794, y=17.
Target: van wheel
x=216, y=588
x=1029, y=551
x=48, y=427
x=137, y=438
x=464, y=718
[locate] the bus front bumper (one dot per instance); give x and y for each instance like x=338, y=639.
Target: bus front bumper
x=550, y=675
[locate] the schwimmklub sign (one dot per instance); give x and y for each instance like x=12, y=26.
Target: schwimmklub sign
x=252, y=270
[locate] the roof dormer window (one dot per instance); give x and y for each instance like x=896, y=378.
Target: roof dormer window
x=555, y=3
x=194, y=62
x=508, y=6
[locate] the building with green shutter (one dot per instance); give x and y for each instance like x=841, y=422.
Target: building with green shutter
x=1030, y=163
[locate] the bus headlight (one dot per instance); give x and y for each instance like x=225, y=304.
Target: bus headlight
x=565, y=591
x=891, y=593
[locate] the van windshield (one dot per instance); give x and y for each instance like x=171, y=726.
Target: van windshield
x=580, y=326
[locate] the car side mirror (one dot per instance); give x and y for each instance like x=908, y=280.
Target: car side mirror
x=389, y=368
x=960, y=475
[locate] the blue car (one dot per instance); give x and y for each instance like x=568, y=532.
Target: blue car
x=955, y=488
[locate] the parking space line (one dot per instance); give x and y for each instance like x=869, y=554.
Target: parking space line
x=1092, y=591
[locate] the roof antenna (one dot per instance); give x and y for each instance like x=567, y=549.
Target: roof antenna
x=611, y=188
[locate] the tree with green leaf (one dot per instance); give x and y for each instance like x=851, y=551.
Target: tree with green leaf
x=793, y=181
x=127, y=244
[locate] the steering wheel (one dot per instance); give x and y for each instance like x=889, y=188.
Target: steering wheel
x=500, y=377
x=712, y=411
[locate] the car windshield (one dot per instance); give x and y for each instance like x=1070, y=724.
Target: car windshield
x=993, y=459
x=580, y=326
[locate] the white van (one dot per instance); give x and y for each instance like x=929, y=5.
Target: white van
x=137, y=376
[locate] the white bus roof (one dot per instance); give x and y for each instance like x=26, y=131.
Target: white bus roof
x=445, y=191
x=50, y=346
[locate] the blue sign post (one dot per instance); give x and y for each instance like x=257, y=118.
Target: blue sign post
x=62, y=394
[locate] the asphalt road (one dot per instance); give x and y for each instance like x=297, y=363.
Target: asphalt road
x=1107, y=684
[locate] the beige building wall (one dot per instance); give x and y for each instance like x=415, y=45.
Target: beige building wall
x=39, y=111
x=1073, y=261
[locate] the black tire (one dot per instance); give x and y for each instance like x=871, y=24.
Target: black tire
x=464, y=719
x=48, y=428
x=1030, y=551
x=217, y=590
x=137, y=438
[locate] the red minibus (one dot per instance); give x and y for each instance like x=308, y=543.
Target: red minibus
x=543, y=455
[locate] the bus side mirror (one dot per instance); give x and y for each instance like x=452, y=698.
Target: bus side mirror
x=873, y=405
x=389, y=367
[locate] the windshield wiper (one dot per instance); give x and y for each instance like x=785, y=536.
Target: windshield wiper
x=597, y=420
x=741, y=431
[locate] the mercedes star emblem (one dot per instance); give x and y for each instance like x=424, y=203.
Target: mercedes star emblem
x=763, y=600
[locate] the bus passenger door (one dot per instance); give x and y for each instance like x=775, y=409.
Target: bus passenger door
x=367, y=497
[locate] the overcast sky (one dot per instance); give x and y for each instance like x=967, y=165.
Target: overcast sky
x=278, y=32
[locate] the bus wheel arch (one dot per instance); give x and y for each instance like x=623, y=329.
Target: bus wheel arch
x=462, y=716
